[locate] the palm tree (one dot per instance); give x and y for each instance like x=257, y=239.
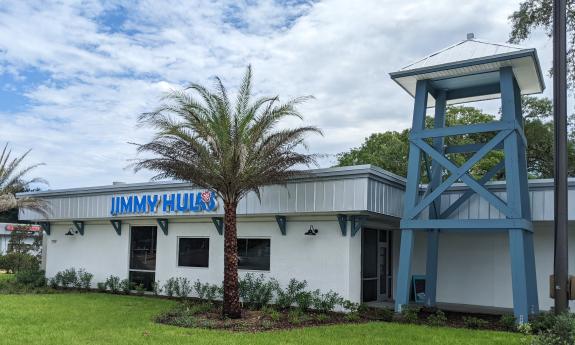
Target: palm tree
x=228, y=149
x=13, y=180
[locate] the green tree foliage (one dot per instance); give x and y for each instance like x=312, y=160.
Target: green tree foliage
x=14, y=179
x=534, y=14
x=389, y=150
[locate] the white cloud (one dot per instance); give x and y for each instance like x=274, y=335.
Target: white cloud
x=80, y=120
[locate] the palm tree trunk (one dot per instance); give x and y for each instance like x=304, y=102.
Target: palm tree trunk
x=232, y=308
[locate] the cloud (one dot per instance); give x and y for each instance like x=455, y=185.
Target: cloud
x=98, y=64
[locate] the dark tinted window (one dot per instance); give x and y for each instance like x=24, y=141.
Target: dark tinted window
x=143, y=248
x=254, y=254
x=194, y=252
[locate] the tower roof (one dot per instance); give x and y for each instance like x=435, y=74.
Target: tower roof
x=473, y=63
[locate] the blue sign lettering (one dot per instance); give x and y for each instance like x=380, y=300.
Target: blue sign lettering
x=173, y=202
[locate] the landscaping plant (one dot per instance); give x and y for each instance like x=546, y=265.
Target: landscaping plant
x=229, y=148
x=257, y=291
x=113, y=284
x=474, y=322
x=285, y=298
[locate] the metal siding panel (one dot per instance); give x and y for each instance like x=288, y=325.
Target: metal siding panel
x=349, y=194
x=338, y=195
x=548, y=205
x=538, y=205
x=309, y=188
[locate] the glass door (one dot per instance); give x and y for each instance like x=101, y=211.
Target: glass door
x=143, y=255
x=384, y=265
x=369, y=265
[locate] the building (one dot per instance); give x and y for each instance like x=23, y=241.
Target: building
x=6, y=230
x=356, y=211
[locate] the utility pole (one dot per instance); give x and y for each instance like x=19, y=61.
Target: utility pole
x=561, y=270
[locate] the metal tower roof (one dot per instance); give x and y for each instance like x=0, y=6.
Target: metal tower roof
x=473, y=63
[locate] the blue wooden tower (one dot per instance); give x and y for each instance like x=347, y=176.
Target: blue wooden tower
x=469, y=71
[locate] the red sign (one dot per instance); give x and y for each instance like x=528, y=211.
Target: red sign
x=23, y=227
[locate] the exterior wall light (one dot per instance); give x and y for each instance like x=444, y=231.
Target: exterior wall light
x=71, y=232
x=312, y=231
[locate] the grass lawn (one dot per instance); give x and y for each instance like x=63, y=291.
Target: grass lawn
x=95, y=318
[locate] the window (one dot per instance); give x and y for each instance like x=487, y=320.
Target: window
x=193, y=252
x=254, y=254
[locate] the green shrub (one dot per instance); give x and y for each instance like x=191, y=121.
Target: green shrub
x=352, y=317
x=34, y=278
x=409, y=314
x=170, y=287
x=15, y=262
x=183, y=287
x=304, y=300
x=325, y=302
x=113, y=284
x=85, y=279
x=475, y=322
x=384, y=314
x=69, y=278
x=438, y=319
x=157, y=288
x=322, y=317
x=101, y=286
x=271, y=313
x=256, y=291
x=125, y=286
x=287, y=297
x=507, y=322
x=562, y=332
x=207, y=292
x=542, y=322
x=140, y=289
x=350, y=306
x=54, y=283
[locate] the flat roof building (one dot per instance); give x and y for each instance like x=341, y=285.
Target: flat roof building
x=154, y=231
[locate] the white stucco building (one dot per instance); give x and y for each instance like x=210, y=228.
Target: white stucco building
x=136, y=231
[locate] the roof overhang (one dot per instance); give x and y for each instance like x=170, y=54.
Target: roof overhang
x=480, y=73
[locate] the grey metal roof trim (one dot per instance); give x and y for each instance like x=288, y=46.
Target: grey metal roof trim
x=326, y=173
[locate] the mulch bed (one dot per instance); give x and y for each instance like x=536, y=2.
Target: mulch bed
x=197, y=314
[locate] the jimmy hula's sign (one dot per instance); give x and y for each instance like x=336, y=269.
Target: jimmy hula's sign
x=174, y=202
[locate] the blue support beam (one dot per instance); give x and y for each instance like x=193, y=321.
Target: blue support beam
x=46, y=227
x=435, y=208
x=163, y=224
x=282, y=224
x=79, y=225
x=117, y=224
x=219, y=224
x=422, y=90
x=342, y=220
x=404, y=270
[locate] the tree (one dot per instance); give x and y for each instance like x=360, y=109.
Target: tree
x=389, y=150
x=533, y=14
x=229, y=149
x=13, y=179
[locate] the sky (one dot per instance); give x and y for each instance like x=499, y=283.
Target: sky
x=75, y=75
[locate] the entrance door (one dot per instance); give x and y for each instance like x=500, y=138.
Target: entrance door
x=377, y=276
x=143, y=255
x=384, y=265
